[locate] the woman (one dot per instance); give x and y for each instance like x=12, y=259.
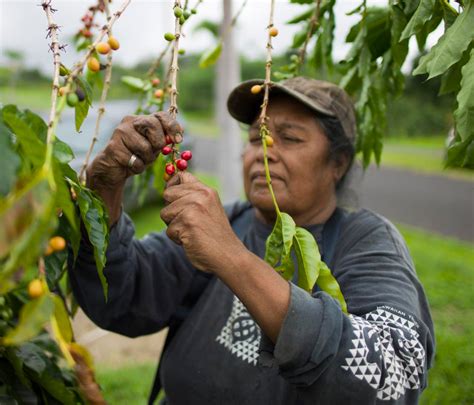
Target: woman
x=246, y=335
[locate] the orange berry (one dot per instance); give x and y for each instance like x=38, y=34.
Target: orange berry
x=114, y=43
x=269, y=140
x=57, y=243
x=166, y=176
x=103, y=48
x=93, y=64
x=48, y=251
x=256, y=89
x=86, y=33
x=62, y=91
x=155, y=82
x=158, y=93
x=273, y=32
x=35, y=288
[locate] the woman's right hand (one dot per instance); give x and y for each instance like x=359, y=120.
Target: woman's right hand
x=141, y=136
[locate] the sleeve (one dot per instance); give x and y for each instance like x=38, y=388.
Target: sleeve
x=381, y=352
x=147, y=279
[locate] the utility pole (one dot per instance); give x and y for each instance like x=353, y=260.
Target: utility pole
x=230, y=141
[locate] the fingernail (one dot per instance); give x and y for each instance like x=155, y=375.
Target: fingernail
x=178, y=137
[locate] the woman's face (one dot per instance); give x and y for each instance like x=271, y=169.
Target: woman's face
x=303, y=177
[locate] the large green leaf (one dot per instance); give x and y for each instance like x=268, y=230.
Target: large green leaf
x=62, y=319
x=211, y=56
x=135, y=83
x=464, y=114
x=451, y=80
x=329, y=284
x=451, y=45
x=9, y=162
x=81, y=111
x=278, y=244
x=28, y=131
x=33, y=316
x=308, y=257
x=95, y=220
x=422, y=14
x=62, y=151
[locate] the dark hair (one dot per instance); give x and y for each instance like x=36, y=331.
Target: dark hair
x=339, y=143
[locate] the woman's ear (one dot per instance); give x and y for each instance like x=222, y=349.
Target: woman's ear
x=340, y=166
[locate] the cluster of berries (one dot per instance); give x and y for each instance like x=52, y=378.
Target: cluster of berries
x=179, y=160
x=102, y=48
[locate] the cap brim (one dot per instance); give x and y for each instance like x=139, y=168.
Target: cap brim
x=244, y=106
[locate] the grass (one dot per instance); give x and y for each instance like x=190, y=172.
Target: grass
x=445, y=267
x=36, y=97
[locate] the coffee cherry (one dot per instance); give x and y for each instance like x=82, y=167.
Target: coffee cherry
x=72, y=99
x=80, y=94
x=186, y=155
x=178, y=12
x=169, y=140
x=93, y=64
x=57, y=243
x=170, y=169
x=186, y=14
x=256, y=89
x=166, y=177
x=62, y=91
x=35, y=288
x=48, y=251
x=103, y=48
x=85, y=33
x=181, y=51
x=155, y=82
x=193, y=11
x=182, y=164
x=269, y=140
x=158, y=93
x=166, y=150
x=170, y=36
x=273, y=32
x=182, y=20
x=63, y=71
x=114, y=43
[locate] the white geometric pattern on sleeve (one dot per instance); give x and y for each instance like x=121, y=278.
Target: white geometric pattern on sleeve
x=241, y=334
x=386, y=352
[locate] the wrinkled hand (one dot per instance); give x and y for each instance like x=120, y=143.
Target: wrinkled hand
x=197, y=221
x=142, y=136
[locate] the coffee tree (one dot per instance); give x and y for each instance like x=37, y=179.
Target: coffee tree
x=46, y=208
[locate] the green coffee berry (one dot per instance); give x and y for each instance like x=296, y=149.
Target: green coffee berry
x=170, y=36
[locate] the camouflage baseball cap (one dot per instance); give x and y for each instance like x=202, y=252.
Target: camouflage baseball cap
x=321, y=96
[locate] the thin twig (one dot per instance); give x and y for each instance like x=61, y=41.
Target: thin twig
x=264, y=130
x=156, y=64
x=103, y=98
x=313, y=25
x=173, y=71
x=55, y=47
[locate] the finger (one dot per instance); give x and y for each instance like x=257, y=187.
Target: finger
x=171, y=126
x=178, y=191
x=181, y=178
x=150, y=127
x=138, y=145
x=122, y=156
x=174, y=232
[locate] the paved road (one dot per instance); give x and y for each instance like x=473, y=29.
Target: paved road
x=434, y=203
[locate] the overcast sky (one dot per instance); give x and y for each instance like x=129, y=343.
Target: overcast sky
x=140, y=29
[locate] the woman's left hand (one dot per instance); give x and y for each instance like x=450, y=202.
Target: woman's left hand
x=197, y=221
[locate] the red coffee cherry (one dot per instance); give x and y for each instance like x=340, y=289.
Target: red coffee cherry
x=166, y=150
x=168, y=140
x=170, y=169
x=186, y=155
x=155, y=82
x=182, y=164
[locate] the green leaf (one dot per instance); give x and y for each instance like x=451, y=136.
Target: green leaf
x=28, y=132
x=54, y=267
x=305, y=16
x=298, y=39
x=329, y=284
x=81, y=110
x=461, y=154
x=286, y=268
x=464, y=114
x=449, y=14
x=450, y=46
x=33, y=316
x=399, y=48
x=95, y=220
x=10, y=161
x=308, y=257
x=32, y=356
x=52, y=382
x=278, y=244
x=86, y=87
x=211, y=56
x=62, y=318
x=134, y=83
x=11, y=354
x=451, y=80
x=422, y=14
x=62, y=151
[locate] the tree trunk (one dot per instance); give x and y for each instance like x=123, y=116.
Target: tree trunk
x=230, y=142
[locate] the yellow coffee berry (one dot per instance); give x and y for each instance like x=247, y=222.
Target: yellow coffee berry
x=273, y=32
x=35, y=288
x=256, y=89
x=269, y=140
x=103, y=48
x=93, y=64
x=114, y=43
x=57, y=243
